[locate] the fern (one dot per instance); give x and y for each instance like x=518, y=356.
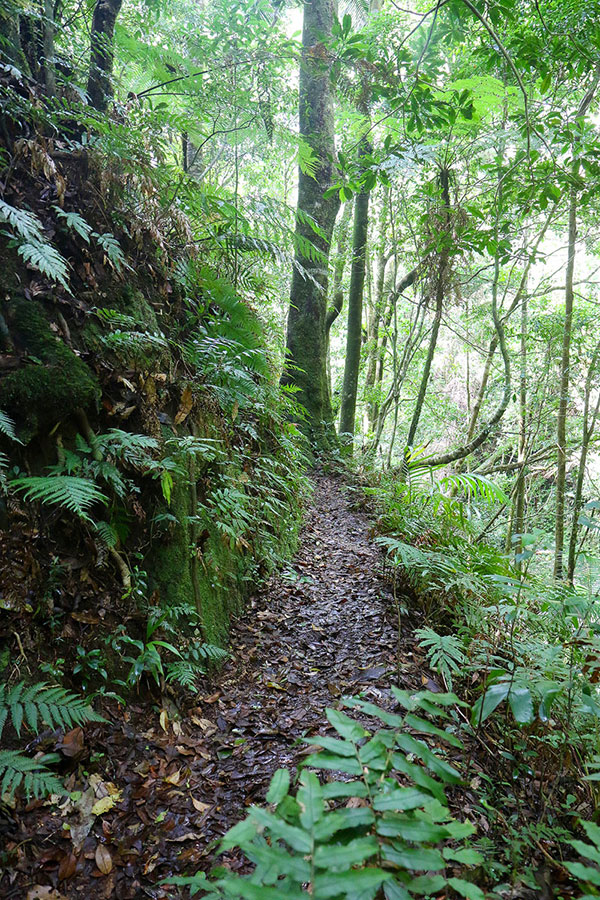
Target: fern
x=77, y=495
x=47, y=260
x=26, y=224
x=75, y=223
x=107, y=535
x=19, y=771
x=40, y=702
x=37, y=704
x=113, y=251
x=443, y=651
x=185, y=671
x=7, y=427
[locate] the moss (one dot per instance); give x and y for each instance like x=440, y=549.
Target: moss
x=52, y=382
x=168, y=564
x=132, y=302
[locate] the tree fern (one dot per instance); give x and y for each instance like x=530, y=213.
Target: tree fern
x=77, y=495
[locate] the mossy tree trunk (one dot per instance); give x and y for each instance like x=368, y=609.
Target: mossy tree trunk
x=99, y=86
x=306, y=327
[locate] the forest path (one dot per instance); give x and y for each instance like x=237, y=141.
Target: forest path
x=150, y=799
x=324, y=627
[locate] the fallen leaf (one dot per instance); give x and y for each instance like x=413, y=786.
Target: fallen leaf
x=199, y=806
x=67, y=866
x=103, y=859
x=185, y=405
x=72, y=743
x=104, y=804
x=42, y=892
x=164, y=720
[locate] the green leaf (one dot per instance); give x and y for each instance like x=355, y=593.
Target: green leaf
x=464, y=855
x=345, y=726
x=521, y=704
x=280, y=783
x=344, y=789
x=240, y=835
x=332, y=884
x=413, y=858
x=410, y=829
x=334, y=763
x=341, y=748
x=401, y=799
x=427, y=884
x=493, y=697
x=344, y=856
x=310, y=800
x=466, y=889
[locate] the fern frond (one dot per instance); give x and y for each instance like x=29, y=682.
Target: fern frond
x=41, y=702
x=106, y=534
x=75, y=222
x=77, y=495
x=26, y=224
x=47, y=260
x=18, y=770
x=7, y=427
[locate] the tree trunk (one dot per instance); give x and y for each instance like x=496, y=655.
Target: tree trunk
x=378, y=310
x=99, y=86
x=519, y=516
x=355, y=306
x=306, y=330
x=588, y=431
x=336, y=303
x=440, y=289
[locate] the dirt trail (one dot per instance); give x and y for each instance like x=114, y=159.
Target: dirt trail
x=322, y=628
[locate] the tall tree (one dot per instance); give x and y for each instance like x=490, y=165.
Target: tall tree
x=565, y=362
x=306, y=328
x=355, y=302
x=99, y=86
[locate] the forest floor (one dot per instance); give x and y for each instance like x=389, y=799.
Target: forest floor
x=151, y=794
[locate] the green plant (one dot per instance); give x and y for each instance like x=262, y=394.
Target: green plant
x=34, y=705
x=72, y=493
x=445, y=653
x=587, y=873
x=381, y=827
x=33, y=246
x=148, y=660
x=90, y=666
x=194, y=661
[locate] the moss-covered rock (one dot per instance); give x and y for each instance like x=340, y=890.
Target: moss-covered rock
x=51, y=382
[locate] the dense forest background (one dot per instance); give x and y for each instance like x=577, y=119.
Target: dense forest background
x=243, y=243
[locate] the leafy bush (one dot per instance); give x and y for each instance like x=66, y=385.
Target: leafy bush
x=383, y=824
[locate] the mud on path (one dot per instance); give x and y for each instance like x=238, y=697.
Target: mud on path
x=322, y=628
